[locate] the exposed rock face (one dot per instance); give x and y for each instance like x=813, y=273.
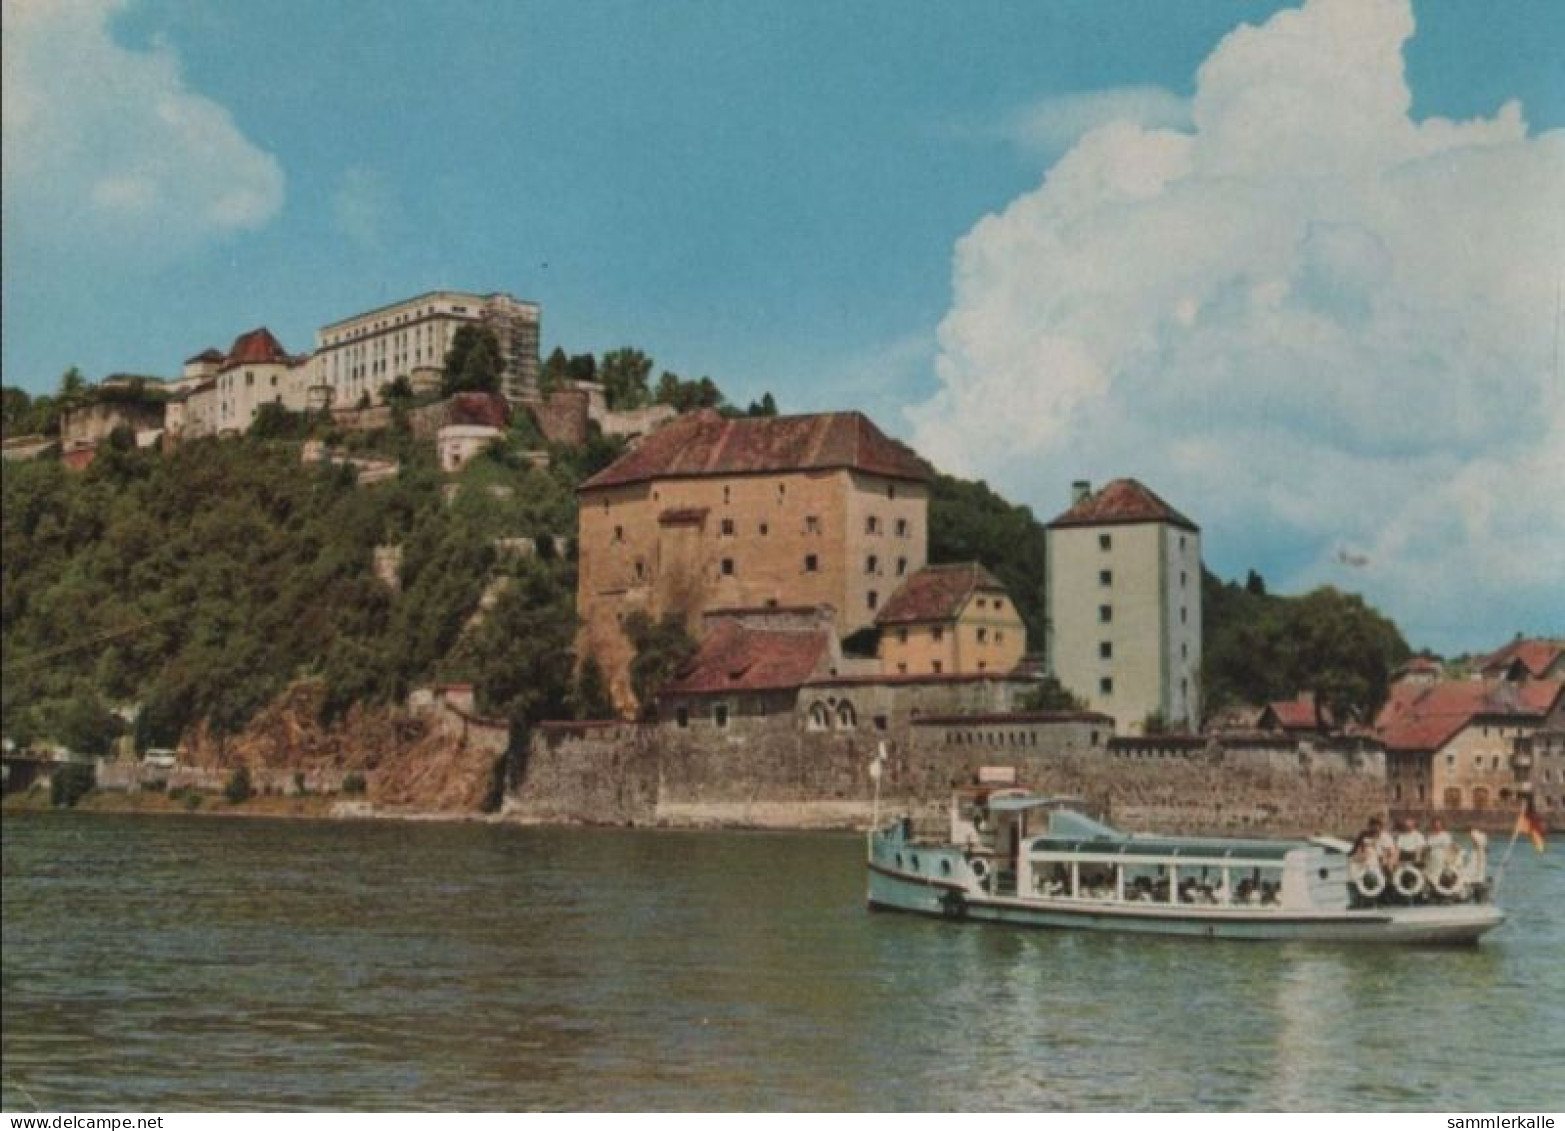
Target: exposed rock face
x=423, y=760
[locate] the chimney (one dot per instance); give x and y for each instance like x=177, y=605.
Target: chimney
x=1080, y=489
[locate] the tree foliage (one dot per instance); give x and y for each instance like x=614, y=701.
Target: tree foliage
x=1261, y=647
x=474, y=362
x=662, y=648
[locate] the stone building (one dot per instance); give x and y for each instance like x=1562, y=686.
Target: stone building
x=951, y=619
x=359, y=356
x=255, y=371
x=1469, y=745
x=1124, y=605
x=710, y=512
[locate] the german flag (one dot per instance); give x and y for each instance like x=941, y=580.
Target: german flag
x=1530, y=824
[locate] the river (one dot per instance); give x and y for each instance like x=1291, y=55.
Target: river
x=177, y=963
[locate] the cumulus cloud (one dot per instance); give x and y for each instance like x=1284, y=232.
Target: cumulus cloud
x=1309, y=319
x=106, y=147
x=1053, y=124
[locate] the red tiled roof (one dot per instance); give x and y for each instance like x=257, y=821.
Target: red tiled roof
x=1122, y=502
x=1422, y=719
x=256, y=347
x=936, y=592
x=735, y=658
x=209, y=354
x=1297, y=713
x=705, y=443
x=1535, y=655
x=483, y=409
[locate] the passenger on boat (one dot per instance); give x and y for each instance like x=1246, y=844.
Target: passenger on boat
x=1441, y=846
x=1385, y=844
x=1140, y=890
x=1411, y=844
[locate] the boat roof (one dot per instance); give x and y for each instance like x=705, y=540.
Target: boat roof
x=1167, y=847
x=1015, y=804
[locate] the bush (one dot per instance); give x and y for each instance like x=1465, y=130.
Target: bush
x=70, y=783
x=238, y=790
x=298, y=783
x=353, y=783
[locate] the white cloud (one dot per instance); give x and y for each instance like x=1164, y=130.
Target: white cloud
x=106, y=148
x=1308, y=319
x=1053, y=124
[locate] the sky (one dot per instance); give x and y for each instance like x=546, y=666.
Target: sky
x=1298, y=267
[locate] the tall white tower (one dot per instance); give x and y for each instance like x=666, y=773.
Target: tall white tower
x=1124, y=605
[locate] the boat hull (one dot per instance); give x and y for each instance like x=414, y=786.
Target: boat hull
x=1431, y=925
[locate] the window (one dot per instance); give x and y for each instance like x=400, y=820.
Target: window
x=983, y=636
x=872, y=525
x=938, y=632
x=901, y=567
x=998, y=604
x=728, y=567
x=1105, y=541
x=720, y=714
x=725, y=494
x=812, y=524
x=847, y=717
x=1105, y=577
x=728, y=528
x=902, y=636
x=1105, y=614
x=872, y=598
x=1184, y=616
x=1106, y=650
x=880, y=722
x=872, y=564
x=938, y=667
x=619, y=534
x=811, y=563
x=641, y=570
x=901, y=528
x=765, y=530
x=1184, y=579
x=820, y=718
x=902, y=669
x=1106, y=685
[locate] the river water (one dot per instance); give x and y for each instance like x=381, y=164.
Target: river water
x=172, y=963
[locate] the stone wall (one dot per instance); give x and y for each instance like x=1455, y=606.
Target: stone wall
x=768, y=770
x=561, y=416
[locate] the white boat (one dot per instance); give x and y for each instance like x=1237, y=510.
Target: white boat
x=1018, y=858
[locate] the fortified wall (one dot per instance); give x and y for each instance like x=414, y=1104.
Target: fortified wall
x=775, y=771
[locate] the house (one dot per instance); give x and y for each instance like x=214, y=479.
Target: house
x=1458, y=744
x=1297, y=717
x=1124, y=605
x=950, y=618
x=1524, y=659
x=709, y=512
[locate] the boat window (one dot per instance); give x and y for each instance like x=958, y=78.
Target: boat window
x=1203, y=886
x=1257, y=887
x=1098, y=881
x=1051, y=879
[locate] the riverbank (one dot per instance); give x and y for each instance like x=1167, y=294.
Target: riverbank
x=313, y=807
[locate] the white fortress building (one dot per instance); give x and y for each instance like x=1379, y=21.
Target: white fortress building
x=1124, y=605
x=361, y=355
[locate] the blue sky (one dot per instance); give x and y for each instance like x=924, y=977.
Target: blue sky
x=838, y=203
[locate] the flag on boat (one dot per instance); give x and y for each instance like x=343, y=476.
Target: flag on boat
x=1530, y=824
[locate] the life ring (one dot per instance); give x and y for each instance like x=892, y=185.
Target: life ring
x=1449, y=884
x=1370, y=883
x=980, y=869
x=1409, y=881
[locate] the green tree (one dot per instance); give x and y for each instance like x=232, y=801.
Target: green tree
x=765, y=407
x=970, y=522
x=1051, y=695
x=474, y=362
x=590, y=693
x=239, y=790
x=73, y=386
x=663, y=648
x=624, y=373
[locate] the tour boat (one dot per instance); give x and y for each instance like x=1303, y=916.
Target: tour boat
x=1018, y=858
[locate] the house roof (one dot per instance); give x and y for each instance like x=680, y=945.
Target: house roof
x=256, y=347
x=936, y=593
x=209, y=354
x=1422, y=719
x=484, y=409
x=1297, y=713
x=735, y=658
x=706, y=443
x=1120, y=503
x=1536, y=656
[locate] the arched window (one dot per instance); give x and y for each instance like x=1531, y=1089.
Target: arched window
x=1453, y=798
x=1480, y=798
x=820, y=718
x=847, y=717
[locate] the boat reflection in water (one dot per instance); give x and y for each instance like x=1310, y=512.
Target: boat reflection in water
x=1018, y=858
